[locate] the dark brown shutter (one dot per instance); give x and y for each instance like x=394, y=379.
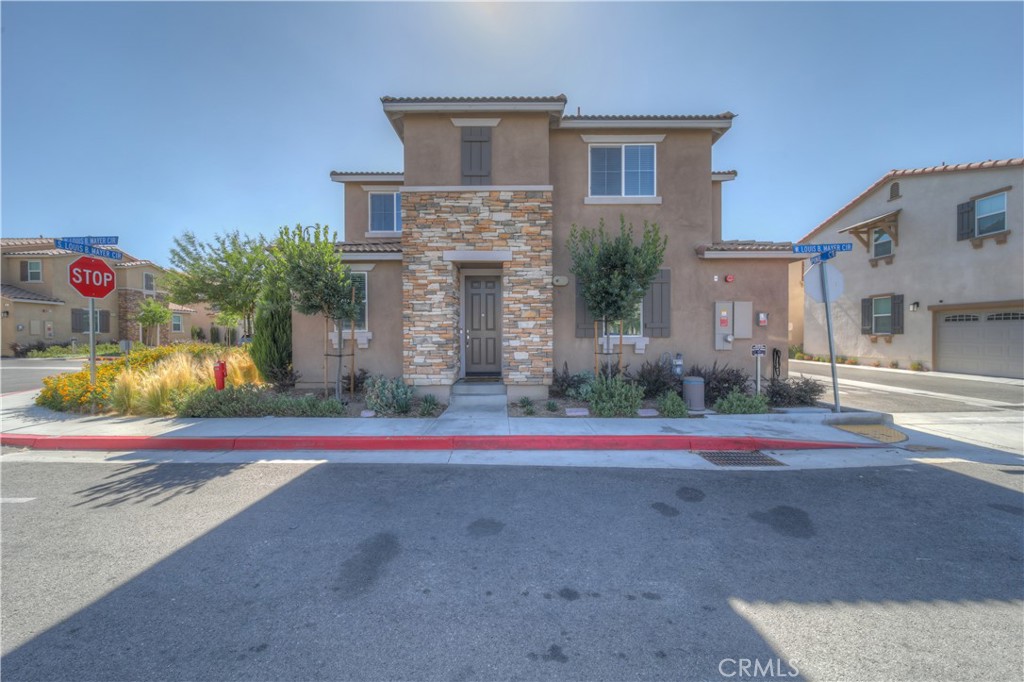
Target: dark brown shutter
x=104, y=321
x=965, y=221
x=476, y=156
x=658, y=306
x=866, y=313
x=78, y=317
x=897, y=314
x=584, y=320
x=24, y=271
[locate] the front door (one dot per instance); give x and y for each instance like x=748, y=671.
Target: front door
x=483, y=325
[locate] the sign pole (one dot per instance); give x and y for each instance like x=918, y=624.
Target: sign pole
x=92, y=341
x=831, y=342
x=757, y=379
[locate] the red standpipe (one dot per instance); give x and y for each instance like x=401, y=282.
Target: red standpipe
x=220, y=373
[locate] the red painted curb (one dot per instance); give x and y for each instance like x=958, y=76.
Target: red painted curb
x=384, y=443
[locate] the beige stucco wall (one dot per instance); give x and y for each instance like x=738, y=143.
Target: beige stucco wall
x=519, y=149
x=357, y=210
x=384, y=320
x=716, y=211
x=796, y=304
x=929, y=266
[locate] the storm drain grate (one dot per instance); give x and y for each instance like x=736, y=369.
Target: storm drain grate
x=740, y=458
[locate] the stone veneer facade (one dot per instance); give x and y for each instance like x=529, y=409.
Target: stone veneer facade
x=519, y=221
x=128, y=303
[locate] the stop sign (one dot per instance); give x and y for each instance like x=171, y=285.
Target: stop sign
x=91, y=277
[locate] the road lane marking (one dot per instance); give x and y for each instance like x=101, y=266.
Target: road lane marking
x=977, y=402
x=15, y=500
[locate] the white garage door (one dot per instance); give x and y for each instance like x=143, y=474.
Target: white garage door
x=989, y=342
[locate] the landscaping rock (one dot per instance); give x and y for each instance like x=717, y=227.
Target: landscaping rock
x=646, y=412
x=367, y=413
x=577, y=412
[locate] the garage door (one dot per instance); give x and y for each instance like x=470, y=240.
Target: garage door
x=989, y=342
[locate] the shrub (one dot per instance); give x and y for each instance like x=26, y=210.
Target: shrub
x=792, y=392
x=271, y=347
x=671, y=405
x=894, y=364
x=876, y=363
x=388, y=396
x=852, y=361
x=795, y=351
x=738, y=402
x=552, y=406
x=69, y=351
x=611, y=370
x=429, y=405
x=720, y=381
x=22, y=350
x=198, y=334
x=525, y=402
x=584, y=390
x=918, y=366
x=256, y=401
x=125, y=393
x=214, y=334
x=529, y=410
x=615, y=397
x=656, y=378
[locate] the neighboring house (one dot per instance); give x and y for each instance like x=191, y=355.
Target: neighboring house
x=463, y=254
x=937, y=271
x=39, y=304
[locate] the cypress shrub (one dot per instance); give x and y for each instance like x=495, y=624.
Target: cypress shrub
x=271, y=347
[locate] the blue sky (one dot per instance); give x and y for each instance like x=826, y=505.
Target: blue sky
x=143, y=120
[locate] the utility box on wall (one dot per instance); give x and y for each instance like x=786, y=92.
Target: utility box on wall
x=733, y=320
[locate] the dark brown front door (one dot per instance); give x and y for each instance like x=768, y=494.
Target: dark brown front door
x=483, y=325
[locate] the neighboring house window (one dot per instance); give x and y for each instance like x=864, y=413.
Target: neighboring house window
x=981, y=217
x=882, y=315
x=632, y=325
x=476, y=155
x=359, y=280
x=385, y=212
x=176, y=325
x=990, y=214
x=882, y=244
x=80, y=321
x=31, y=271
x=625, y=170
x=894, y=191
x=148, y=281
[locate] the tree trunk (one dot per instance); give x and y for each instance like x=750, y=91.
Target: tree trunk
x=337, y=373
x=621, y=325
x=327, y=323
x=352, y=362
x=596, y=356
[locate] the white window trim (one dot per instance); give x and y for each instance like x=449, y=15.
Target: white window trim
x=369, y=215
x=888, y=239
x=875, y=316
x=622, y=198
x=476, y=122
x=40, y=271
x=177, y=323
x=978, y=216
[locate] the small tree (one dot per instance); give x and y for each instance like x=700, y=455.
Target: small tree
x=151, y=314
x=614, y=274
x=271, y=347
x=318, y=280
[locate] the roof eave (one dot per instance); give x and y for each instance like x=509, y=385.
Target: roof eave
x=363, y=177
x=751, y=255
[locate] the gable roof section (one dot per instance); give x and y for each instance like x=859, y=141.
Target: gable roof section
x=13, y=293
x=748, y=249
x=396, y=107
x=390, y=249
x=895, y=174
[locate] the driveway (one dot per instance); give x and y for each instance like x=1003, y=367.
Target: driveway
x=26, y=374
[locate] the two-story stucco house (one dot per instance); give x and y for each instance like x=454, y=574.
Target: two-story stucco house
x=39, y=304
x=463, y=253
x=937, y=271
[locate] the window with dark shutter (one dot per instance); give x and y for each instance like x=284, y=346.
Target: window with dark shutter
x=584, y=320
x=476, y=156
x=78, y=320
x=897, y=314
x=866, y=316
x=658, y=306
x=965, y=221
x=24, y=271
x=104, y=322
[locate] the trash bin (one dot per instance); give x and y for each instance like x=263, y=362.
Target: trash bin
x=693, y=392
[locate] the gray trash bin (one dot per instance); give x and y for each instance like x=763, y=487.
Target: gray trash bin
x=693, y=392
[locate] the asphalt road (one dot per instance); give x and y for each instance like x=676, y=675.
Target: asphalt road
x=896, y=392
x=292, y=571
x=26, y=374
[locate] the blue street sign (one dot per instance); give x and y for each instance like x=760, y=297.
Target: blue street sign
x=759, y=350
x=90, y=241
x=822, y=256
x=821, y=248
x=86, y=249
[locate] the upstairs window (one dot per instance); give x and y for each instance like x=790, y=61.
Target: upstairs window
x=31, y=271
x=882, y=244
x=149, y=281
x=625, y=170
x=990, y=214
x=476, y=155
x=385, y=212
x=176, y=323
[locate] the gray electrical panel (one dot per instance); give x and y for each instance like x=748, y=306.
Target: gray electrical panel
x=743, y=324
x=723, y=325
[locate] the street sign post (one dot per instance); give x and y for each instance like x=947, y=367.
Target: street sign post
x=93, y=279
x=821, y=293
x=758, y=350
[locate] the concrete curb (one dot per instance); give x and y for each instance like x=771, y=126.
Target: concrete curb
x=420, y=443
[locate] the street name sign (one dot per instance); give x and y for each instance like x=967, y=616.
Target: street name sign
x=86, y=249
x=91, y=277
x=822, y=257
x=822, y=248
x=91, y=241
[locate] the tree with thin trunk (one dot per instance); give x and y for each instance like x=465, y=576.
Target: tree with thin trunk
x=614, y=273
x=320, y=283
x=151, y=314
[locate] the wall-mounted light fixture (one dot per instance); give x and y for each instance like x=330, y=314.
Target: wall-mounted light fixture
x=914, y=306
x=7, y=313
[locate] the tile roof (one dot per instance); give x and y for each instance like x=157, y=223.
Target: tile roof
x=24, y=241
x=724, y=116
x=134, y=264
x=725, y=172
x=748, y=245
x=389, y=246
x=175, y=308
x=387, y=99
x=18, y=294
x=40, y=252
x=366, y=172
x=897, y=173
